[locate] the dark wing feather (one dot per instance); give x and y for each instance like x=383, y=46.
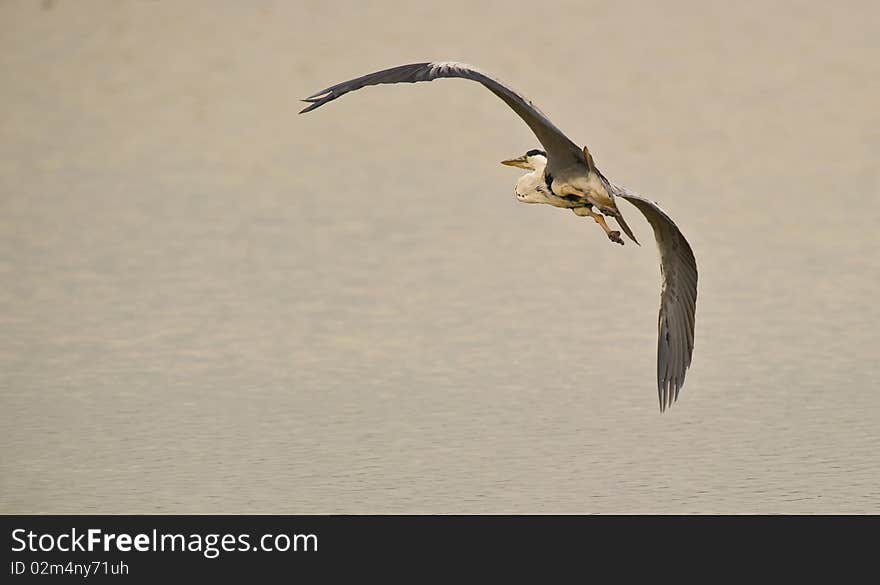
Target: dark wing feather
x=678, y=298
x=562, y=153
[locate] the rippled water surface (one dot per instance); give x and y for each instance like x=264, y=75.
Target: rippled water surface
x=211, y=304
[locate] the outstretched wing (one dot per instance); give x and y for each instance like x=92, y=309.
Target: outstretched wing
x=562, y=153
x=678, y=298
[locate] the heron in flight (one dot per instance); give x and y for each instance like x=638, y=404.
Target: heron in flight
x=564, y=175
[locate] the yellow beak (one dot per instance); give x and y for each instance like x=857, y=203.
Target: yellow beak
x=521, y=162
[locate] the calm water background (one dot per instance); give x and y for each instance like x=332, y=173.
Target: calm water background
x=211, y=304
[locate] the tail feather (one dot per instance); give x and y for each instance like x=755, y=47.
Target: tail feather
x=622, y=223
x=613, y=211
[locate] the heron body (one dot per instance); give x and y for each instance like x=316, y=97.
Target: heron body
x=585, y=194
x=565, y=175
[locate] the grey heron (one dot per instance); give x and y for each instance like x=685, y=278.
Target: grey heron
x=564, y=175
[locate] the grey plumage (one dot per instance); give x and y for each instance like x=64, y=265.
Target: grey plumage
x=568, y=163
x=678, y=298
x=562, y=153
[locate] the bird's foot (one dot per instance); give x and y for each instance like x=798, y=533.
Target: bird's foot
x=613, y=235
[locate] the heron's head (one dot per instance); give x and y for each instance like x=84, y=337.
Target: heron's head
x=532, y=160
